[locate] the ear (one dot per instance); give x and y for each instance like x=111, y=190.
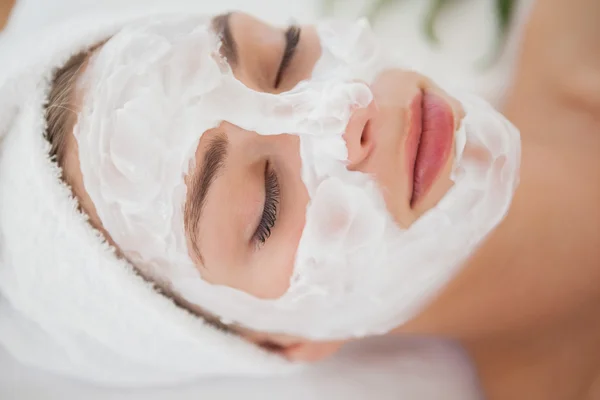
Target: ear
x=310, y=351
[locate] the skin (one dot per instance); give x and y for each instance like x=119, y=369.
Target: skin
x=526, y=305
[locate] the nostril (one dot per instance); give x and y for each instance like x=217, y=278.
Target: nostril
x=359, y=136
x=365, y=137
x=362, y=136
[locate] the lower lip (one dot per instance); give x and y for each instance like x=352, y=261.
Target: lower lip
x=429, y=142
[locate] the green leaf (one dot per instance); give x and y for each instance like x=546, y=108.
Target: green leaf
x=432, y=15
x=376, y=7
x=504, y=12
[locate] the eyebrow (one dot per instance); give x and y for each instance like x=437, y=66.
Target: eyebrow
x=222, y=26
x=212, y=164
x=292, y=39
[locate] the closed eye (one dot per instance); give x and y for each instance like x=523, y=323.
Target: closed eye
x=292, y=38
x=270, y=208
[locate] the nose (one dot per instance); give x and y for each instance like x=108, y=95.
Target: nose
x=359, y=135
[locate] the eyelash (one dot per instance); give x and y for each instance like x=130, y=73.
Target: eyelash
x=269, y=215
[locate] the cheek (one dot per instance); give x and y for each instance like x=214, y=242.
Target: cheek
x=275, y=264
x=273, y=270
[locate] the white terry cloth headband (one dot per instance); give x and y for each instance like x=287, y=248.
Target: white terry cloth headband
x=67, y=303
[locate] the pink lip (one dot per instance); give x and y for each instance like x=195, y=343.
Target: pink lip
x=429, y=142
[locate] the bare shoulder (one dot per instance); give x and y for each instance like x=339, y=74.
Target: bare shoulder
x=5, y=9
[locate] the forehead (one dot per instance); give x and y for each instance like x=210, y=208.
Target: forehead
x=150, y=39
x=172, y=28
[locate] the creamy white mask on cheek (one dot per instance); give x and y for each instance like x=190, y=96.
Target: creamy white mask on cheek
x=156, y=86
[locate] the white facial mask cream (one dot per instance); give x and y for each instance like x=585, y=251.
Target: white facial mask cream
x=155, y=87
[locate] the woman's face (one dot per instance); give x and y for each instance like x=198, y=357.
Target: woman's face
x=246, y=202
x=247, y=231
